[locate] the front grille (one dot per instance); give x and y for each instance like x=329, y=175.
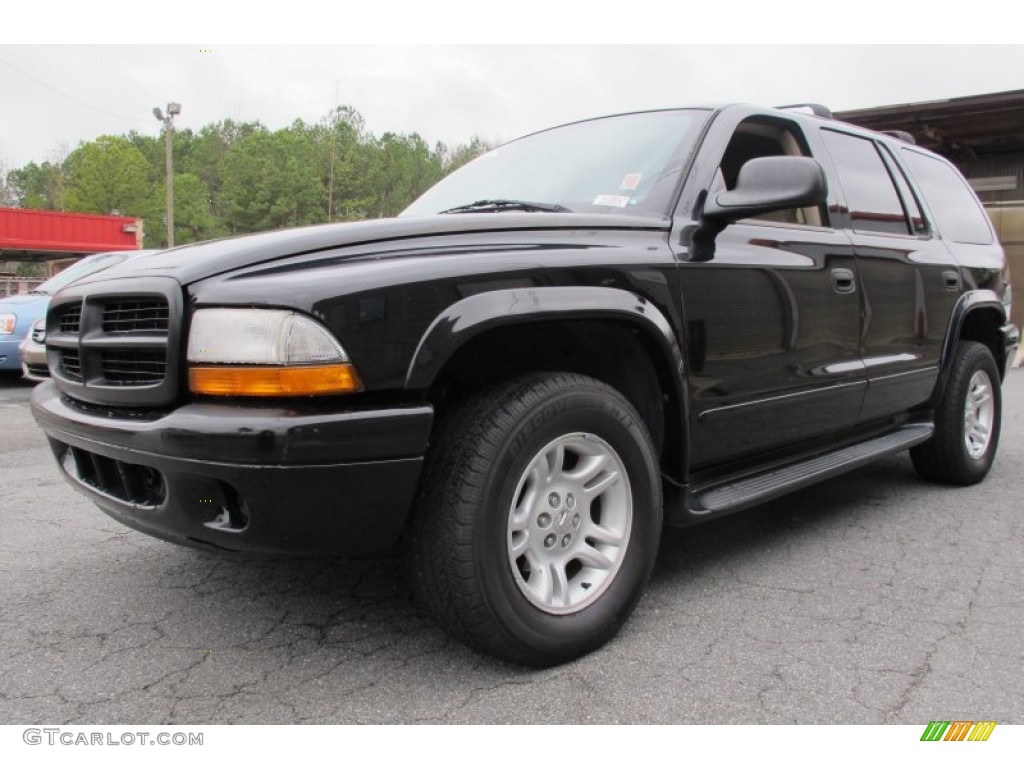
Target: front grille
x=116, y=342
x=71, y=318
x=132, y=483
x=135, y=316
x=71, y=365
x=128, y=367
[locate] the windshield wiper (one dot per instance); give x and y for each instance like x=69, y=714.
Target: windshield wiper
x=40, y=293
x=494, y=206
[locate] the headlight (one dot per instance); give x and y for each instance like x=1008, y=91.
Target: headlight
x=38, y=331
x=265, y=352
x=7, y=323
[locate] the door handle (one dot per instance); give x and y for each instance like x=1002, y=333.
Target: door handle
x=843, y=281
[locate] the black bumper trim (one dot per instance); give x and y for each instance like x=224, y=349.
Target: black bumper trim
x=244, y=434
x=331, y=505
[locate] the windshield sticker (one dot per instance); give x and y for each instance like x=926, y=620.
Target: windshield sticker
x=630, y=181
x=619, y=201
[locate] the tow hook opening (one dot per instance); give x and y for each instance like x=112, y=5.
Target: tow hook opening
x=231, y=516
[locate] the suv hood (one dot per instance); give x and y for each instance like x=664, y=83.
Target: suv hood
x=190, y=263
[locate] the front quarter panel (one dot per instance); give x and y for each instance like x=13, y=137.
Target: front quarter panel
x=476, y=314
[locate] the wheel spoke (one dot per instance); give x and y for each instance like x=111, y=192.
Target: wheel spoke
x=588, y=468
x=555, y=461
x=540, y=584
x=559, y=584
x=520, y=544
x=980, y=395
x=601, y=535
x=602, y=484
x=594, y=558
x=521, y=514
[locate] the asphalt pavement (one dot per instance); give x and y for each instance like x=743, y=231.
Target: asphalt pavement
x=873, y=598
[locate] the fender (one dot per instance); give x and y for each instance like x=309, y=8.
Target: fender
x=473, y=315
x=476, y=314
x=969, y=302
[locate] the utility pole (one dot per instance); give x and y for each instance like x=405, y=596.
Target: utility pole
x=173, y=108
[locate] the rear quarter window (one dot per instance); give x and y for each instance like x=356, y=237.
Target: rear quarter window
x=958, y=214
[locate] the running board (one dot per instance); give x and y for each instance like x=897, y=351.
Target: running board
x=734, y=495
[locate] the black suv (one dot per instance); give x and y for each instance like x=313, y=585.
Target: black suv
x=640, y=320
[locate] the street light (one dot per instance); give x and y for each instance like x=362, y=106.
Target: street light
x=173, y=108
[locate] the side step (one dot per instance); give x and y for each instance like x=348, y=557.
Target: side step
x=736, y=494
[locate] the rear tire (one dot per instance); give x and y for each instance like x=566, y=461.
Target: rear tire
x=540, y=518
x=967, y=421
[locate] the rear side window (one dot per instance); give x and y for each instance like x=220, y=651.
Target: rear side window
x=871, y=197
x=958, y=214
x=910, y=203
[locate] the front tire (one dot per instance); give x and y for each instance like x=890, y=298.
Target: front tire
x=540, y=518
x=967, y=421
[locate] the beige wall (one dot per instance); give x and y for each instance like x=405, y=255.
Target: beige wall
x=1009, y=224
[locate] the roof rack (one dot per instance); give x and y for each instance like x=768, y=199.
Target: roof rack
x=902, y=136
x=815, y=109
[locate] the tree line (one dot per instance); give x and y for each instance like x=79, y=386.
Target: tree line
x=239, y=177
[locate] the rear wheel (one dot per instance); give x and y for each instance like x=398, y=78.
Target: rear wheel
x=540, y=518
x=967, y=421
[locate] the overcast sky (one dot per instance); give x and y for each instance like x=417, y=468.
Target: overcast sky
x=56, y=96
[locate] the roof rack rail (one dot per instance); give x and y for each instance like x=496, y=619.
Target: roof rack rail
x=902, y=136
x=816, y=109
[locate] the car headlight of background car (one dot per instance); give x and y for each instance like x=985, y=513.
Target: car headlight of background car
x=38, y=331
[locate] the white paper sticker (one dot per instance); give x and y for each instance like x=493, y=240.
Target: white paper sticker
x=619, y=201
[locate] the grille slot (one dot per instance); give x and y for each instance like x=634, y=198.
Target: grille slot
x=136, y=316
x=71, y=319
x=71, y=365
x=129, y=367
x=132, y=483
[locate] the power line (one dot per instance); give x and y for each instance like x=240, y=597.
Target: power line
x=71, y=98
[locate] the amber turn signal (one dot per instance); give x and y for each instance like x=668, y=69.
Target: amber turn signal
x=274, y=381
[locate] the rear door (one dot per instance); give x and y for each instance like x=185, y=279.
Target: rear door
x=909, y=280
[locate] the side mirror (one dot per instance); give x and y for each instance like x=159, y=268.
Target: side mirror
x=767, y=184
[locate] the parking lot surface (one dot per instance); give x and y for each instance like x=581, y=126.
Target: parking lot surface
x=874, y=598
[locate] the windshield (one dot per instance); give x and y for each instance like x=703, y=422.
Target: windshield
x=622, y=164
x=82, y=268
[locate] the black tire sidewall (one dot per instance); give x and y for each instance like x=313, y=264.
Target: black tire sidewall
x=607, y=416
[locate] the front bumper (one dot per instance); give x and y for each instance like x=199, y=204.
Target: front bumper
x=33, y=360
x=277, y=479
